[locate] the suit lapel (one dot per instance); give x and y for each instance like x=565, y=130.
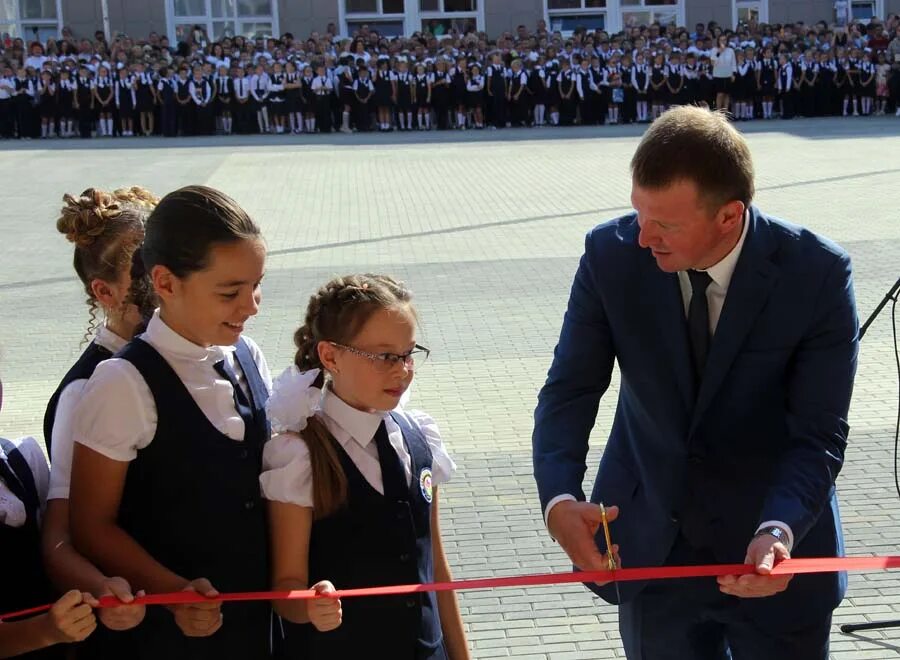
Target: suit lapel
x=749, y=289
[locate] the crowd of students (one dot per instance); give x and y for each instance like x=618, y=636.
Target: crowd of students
x=93, y=89
x=177, y=464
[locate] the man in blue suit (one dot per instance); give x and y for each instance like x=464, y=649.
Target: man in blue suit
x=736, y=339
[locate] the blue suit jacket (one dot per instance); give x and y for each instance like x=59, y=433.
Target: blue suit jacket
x=762, y=439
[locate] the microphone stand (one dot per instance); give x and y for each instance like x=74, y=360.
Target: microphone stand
x=892, y=294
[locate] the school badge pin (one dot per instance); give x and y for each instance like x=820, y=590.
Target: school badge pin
x=425, y=484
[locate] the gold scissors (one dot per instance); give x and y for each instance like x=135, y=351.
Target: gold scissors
x=611, y=563
x=610, y=557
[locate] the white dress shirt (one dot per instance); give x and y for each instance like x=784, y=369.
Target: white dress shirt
x=62, y=441
x=720, y=274
x=12, y=509
x=287, y=472
x=116, y=415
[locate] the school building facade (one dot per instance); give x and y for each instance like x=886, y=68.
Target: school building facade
x=41, y=19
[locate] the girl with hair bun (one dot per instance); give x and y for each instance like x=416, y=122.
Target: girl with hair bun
x=169, y=436
x=352, y=482
x=106, y=230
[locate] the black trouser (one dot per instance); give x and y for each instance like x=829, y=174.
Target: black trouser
x=169, y=120
x=7, y=118
x=894, y=88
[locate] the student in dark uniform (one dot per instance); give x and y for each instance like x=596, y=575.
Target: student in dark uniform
x=551, y=80
x=169, y=438
x=346, y=96
x=308, y=100
x=66, y=103
x=518, y=99
x=851, y=84
x=629, y=105
x=47, y=104
x=83, y=103
x=292, y=103
x=243, y=102
x=707, y=88
x=808, y=86
x=322, y=89
x=460, y=95
x=380, y=471
x=106, y=229
x=497, y=86
x=422, y=97
x=277, y=98
x=385, y=92
x=587, y=92
x=202, y=97
x=475, y=90
x=187, y=113
x=166, y=92
x=404, y=96
x=538, y=92
x=659, y=92
x=440, y=94
x=741, y=96
x=126, y=99
x=363, y=91
x=104, y=101
x=766, y=72
x=641, y=81
x=785, y=86
x=224, y=88
x=602, y=98
x=866, y=86
x=23, y=486
x=567, y=100
x=144, y=99
x=675, y=80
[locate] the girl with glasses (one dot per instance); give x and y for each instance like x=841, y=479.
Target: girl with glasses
x=351, y=480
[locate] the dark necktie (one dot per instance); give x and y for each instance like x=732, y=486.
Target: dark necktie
x=698, y=320
x=392, y=475
x=241, y=402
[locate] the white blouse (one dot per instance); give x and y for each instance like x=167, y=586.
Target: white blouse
x=116, y=415
x=62, y=441
x=12, y=509
x=287, y=472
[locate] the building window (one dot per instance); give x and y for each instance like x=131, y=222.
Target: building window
x=745, y=11
x=32, y=20
x=566, y=16
x=863, y=10
x=440, y=17
x=384, y=16
x=222, y=18
x=636, y=13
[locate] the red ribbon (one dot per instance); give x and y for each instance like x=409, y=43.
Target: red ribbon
x=786, y=567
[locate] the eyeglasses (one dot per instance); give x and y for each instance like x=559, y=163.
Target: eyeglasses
x=412, y=360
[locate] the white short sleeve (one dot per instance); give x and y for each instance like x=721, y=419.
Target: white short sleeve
x=287, y=471
x=62, y=442
x=442, y=466
x=116, y=415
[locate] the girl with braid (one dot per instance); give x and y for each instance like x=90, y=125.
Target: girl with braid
x=352, y=482
x=107, y=230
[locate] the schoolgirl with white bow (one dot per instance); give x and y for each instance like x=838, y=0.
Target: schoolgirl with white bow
x=352, y=482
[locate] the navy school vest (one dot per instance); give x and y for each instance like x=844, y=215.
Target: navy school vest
x=375, y=542
x=83, y=369
x=192, y=500
x=24, y=582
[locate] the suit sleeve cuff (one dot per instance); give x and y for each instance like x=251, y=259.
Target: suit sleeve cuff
x=768, y=523
x=552, y=503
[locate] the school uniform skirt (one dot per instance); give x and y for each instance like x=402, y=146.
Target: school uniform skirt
x=723, y=85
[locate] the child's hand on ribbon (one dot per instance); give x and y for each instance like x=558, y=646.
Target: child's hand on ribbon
x=324, y=613
x=125, y=616
x=199, y=619
x=71, y=619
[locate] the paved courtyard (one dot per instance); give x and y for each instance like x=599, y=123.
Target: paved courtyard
x=487, y=229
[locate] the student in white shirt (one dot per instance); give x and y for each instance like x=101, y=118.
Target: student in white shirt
x=107, y=229
x=169, y=437
x=350, y=470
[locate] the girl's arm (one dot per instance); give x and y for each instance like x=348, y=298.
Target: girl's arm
x=68, y=569
x=289, y=526
x=448, y=606
x=96, y=493
x=71, y=619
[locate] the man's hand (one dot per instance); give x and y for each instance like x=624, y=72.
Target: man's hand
x=573, y=525
x=764, y=553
